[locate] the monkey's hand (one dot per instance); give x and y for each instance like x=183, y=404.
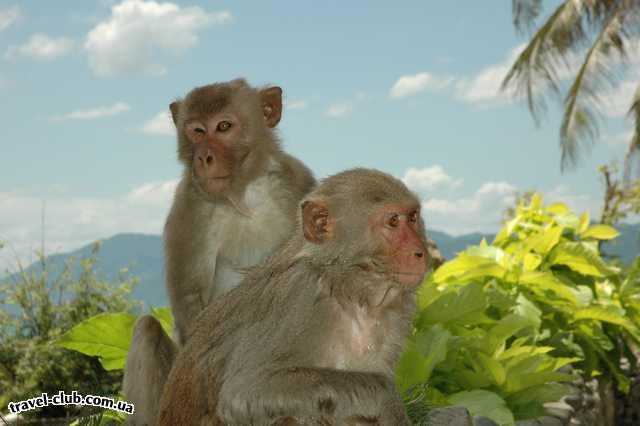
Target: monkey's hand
x=311, y=393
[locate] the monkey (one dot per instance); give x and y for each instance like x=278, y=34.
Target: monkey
x=235, y=203
x=312, y=334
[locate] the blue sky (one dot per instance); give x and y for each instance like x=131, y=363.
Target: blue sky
x=409, y=88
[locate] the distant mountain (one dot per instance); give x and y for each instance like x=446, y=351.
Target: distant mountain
x=143, y=256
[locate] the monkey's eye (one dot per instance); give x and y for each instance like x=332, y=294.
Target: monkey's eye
x=223, y=126
x=393, y=221
x=199, y=130
x=413, y=217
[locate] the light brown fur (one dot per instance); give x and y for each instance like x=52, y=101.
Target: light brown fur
x=216, y=228
x=312, y=335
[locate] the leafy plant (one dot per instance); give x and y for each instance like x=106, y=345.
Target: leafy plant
x=36, y=310
x=108, y=336
x=498, y=322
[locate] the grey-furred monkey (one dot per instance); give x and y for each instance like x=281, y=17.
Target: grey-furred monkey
x=312, y=335
x=237, y=201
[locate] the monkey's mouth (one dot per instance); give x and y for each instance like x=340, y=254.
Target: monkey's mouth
x=409, y=278
x=214, y=185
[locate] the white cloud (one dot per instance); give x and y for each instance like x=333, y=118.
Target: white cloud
x=95, y=113
x=428, y=179
x=480, y=212
x=160, y=124
x=41, y=47
x=616, y=103
x=71, y=222
x=485, y=86
x=409, y=85
x=296, y=104
x=340, y=109
x=137, y=31
x=9, y=16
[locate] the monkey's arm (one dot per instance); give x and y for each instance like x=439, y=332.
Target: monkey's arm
x=311, y=393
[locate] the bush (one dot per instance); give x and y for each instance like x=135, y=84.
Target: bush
x=36, y=311
x=497, y=323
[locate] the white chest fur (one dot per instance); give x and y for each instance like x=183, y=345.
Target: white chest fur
x=247, y=240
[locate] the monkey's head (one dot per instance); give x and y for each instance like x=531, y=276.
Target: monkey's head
x=368, y=219
x=224, y=130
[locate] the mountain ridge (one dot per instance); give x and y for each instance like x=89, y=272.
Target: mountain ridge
x=142, y=255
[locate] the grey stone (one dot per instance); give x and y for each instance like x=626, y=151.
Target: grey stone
x=550, y=421
x=559, y=409
x=449, y=416
x=527, y=423
x=483, y=421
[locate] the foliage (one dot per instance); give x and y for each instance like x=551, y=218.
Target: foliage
x=108, y=336
x=589, y=40
x=35, y=311
x=620, y=200
x=497, y=323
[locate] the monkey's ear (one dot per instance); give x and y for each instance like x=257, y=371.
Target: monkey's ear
x=271, y=105
x=174, y=107
x=316, y=223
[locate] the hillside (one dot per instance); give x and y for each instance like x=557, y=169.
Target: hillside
x=142, y=254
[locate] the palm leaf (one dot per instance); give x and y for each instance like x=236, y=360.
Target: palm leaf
x=580, y=119
x=536, y=68
x=634, y=145
x=525, y=12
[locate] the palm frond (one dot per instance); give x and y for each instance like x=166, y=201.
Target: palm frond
x=633, y=153
x=580, y=118
x=535, y=71
x=525, y=13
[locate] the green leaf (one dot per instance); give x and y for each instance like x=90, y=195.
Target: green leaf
x=544, y=242
x=531, y=261
x=452, y=304
x=558, y=209
x=463, y=264
x=507, y=327
x=433, y=344
x=611, y=314
x=493, y=366
x=600, y=232
x=107, y=336
x=517, y=382
x=530, y=400
x=581, y=259
x=584, y=222
x=484, y=403
x=165, y=317
x=547, y=281
x=411, y=369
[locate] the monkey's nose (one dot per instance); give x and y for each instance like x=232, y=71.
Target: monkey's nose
x=419, y=254
x=206, y=159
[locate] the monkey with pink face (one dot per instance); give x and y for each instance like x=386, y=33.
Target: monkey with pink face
x=236, y=202
x=312, y=335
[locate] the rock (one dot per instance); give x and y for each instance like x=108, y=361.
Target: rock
x=574, y=400
x=483, y=421
x=559, y=409
x=449, y=416
x=527, y=423
x=550, y=421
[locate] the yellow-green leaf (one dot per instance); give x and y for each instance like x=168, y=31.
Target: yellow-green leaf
x=558, y=208
x=584, y=222
x=544, y=242
x=600, y=232
x=547, y=281
x=531, y=261
x=107, y=336
x=459, y=266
